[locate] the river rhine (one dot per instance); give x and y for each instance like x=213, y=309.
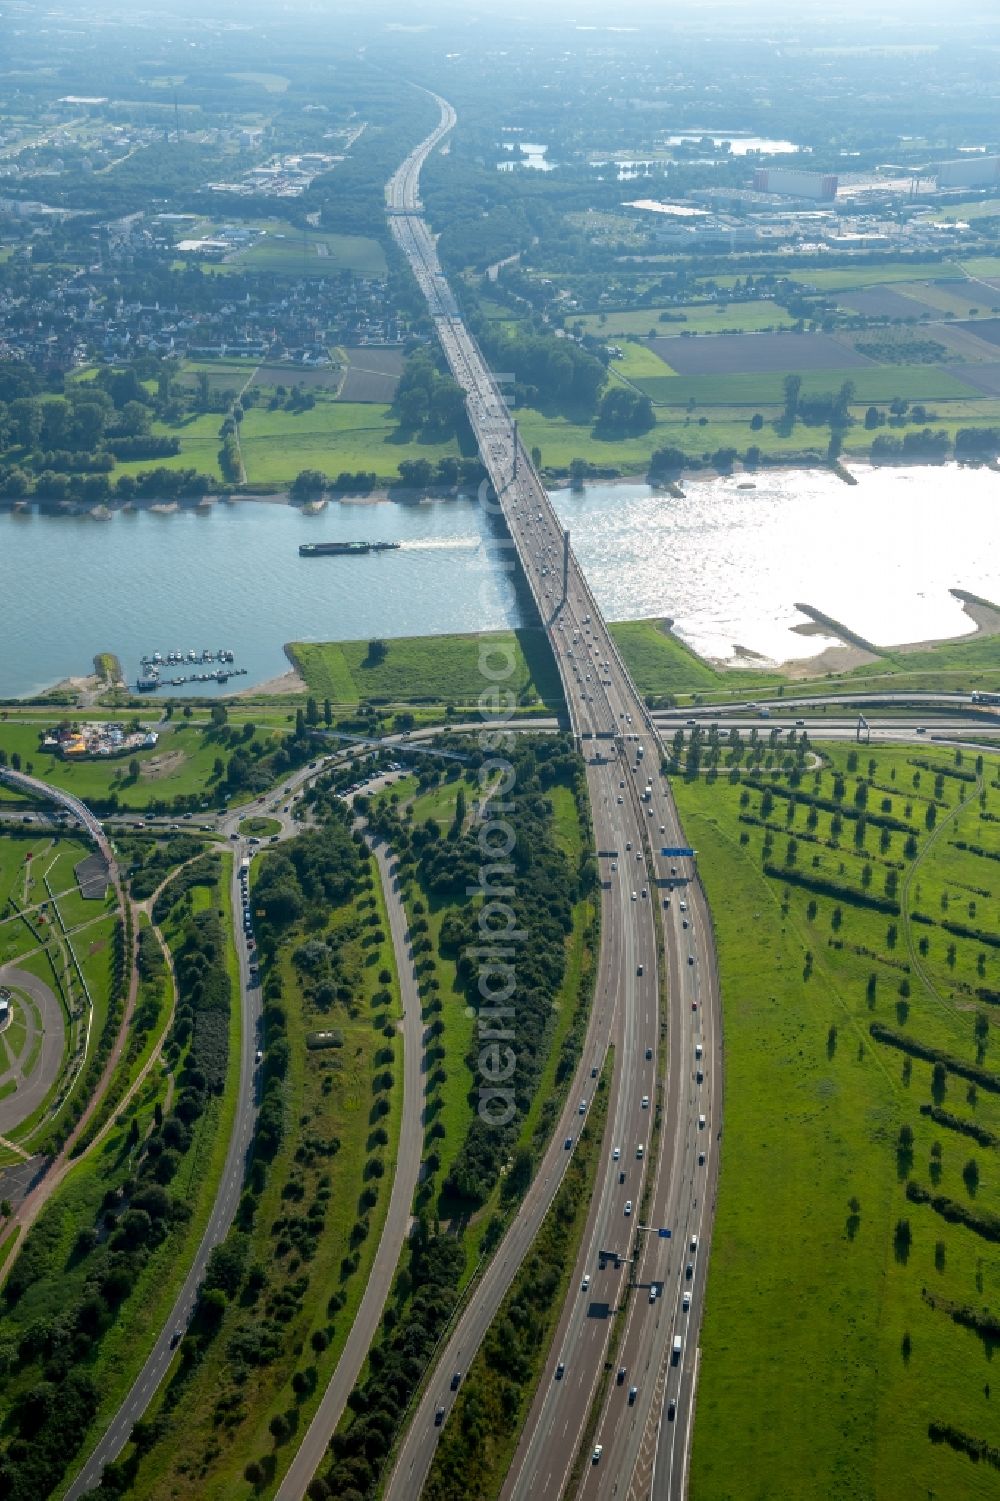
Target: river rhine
x=727, y=563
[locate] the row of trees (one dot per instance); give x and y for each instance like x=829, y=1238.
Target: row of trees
x=18, y=483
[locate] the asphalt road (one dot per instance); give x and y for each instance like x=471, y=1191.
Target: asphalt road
x=620, y=745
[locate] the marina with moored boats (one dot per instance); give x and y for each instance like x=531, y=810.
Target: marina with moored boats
x=153, y=676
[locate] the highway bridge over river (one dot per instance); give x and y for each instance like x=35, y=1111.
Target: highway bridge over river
x=665, y=1028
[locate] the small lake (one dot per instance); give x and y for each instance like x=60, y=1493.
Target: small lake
x=530, y=155
x=739, y=145
x=726, y=563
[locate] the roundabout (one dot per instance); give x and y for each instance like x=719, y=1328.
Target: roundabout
x=32, y=1040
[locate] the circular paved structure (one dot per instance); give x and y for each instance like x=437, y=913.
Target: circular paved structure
x=31, y=1090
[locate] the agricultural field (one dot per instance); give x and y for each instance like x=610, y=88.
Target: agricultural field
x=988, y=329
x=372, y=374
x=987, y=266
x=561, y=441
x=955, y=299
x=854, y=908
x=984, y=378
x=440, y=669
x=735, y=354
x=267, y=378
x=888, y=302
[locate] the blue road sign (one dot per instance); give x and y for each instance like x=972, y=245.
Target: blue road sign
x=664, y=1234
x=681, y=850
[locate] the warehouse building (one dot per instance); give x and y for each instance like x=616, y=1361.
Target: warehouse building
x=788, y=183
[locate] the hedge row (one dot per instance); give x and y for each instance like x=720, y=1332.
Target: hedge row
x=956, y=1123
x=831, y=805
x=831, y=888
x=980, y=1221
x=965, y=1443
x=971, y=1071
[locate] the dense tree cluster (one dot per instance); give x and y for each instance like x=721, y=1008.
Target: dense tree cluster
x=545, y=887
x=427, y=401
x=204, y=1000
x=556, y=375
x=624, y=413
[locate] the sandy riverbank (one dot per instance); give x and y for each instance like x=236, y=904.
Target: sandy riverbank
x=288, y=683
x=848, y=654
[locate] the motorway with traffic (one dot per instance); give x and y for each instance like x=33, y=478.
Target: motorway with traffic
x=643, y=889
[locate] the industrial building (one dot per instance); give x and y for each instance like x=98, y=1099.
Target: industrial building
x=789, y=183
x=970, y=172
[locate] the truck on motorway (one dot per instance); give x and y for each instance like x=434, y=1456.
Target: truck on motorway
x=675, y=1353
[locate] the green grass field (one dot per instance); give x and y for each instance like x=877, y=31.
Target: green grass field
x=198, y=437
x=287, y=250
x=875, y=383
x=977, y=208
x=697, y=317
x=984, y=265
x=182, y=764
x=661, y=664
x=331, y=436
x=443, y=669
x=126, y=1344
x=855, y=278
x=809, y=1290
x=261, y=827
x=638, y=361
x=291, y=251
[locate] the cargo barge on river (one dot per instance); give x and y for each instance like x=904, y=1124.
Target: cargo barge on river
x=343, y=549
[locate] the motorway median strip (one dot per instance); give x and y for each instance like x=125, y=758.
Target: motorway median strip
x=479, y=1465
